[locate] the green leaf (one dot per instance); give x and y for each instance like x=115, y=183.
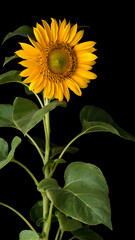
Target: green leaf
x=21, y=31
x=6, y=111
x=5, y=158
x=94, y=119
x=85, y=195
x=10, y=77
x=27, y=115
x=66, y=223
x=28, y=235
x=56, y=149
x=8, y=59
x=86, y=234
x=36, y=212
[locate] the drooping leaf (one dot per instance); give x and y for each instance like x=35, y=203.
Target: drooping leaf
x=28, y=235
x=66, y=223
x=8, y=59
x=6, y=111
x=26, y=113
x=84, y=196
x=21, y=31
x=36, y=212
x=86, y=234
x=10, y=76
x=6, y=157
x=95, y=119
x=56, y=149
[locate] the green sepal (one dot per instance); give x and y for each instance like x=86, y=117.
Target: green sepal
x=6, y=157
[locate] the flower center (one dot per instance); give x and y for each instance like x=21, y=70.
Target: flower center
x=58, y=61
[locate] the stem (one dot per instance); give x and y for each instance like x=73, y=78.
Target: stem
x=64, y=150
x=27, y=170
x=57, y=234
x=19, y=214
x=47, y=137
x=37, y=147
x=47, y=226
x=61, y=235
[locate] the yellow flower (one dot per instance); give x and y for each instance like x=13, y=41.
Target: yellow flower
x=57, y=62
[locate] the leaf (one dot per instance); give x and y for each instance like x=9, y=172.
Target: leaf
x=28, y=235
x=94, y=119
x=66, y=223
x=56, y=149
x=6, y=111
x=5, y=158
x=21, y=31
x=36, y=212
x=85, y=195
x=8, y=59
x=86, y=234
x=10, y=76
x=27, y=115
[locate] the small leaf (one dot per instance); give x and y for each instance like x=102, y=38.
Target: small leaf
x=6, y=111
x=10, y=77
x=46, y=184
x=66, y=223
x=28, y=235
x=5, y=158
x=86, y=234
x=56, y=149
x=8, y=59
x=36, y=212
x=21, y=31
x=85, y=195
x=59, y=160
x=94, y=119
x=27, y=115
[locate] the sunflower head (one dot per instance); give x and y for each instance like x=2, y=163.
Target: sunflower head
x=56, y=62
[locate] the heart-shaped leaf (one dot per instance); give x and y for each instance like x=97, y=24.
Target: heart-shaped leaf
x=6, y=111
x=94, y=119
x=28, y=235
x=86, y=234
x=27, y=115
x=84, y=196
x=5, y=158
x=66, y=223
x=21, y=31
x=10, y=76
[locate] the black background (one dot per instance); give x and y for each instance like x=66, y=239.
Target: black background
x=111, y=25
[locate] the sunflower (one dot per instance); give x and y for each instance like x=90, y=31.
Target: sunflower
x=56, y=62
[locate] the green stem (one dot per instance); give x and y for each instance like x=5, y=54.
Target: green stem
x=37, y=147
x=47, y=137
x=47, y=226
x=61, y=235
x=64, y=150
x=19, y=214
x=57, y=234
x=27, y=170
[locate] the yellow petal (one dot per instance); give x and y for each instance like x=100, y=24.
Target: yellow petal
x=77, y=38
x=73, y=86
x=85, y=74
x=23, y=54
x=29, y=49
x=31, y=78
x=86, y=57
x=29, y=63
x=60, y=91
x=43, y=33
x=84, y=66
x=56, y=90
x=72, y=33
x=35, y=44
x=66, y=91
x=80, y=81
x=54, y=29
x=39, y=37
x=84, y=46
x=47, y=28
x=64, y=32
x=25, y=73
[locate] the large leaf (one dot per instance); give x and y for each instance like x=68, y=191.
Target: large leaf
x=10, y=76
x=21, y=31
x=66, y=223
x=6, y=111
x=94, y=119
x=84, y=196
x=86, y=234
x=28, y=235
x=5, y=158
x=26, y=113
